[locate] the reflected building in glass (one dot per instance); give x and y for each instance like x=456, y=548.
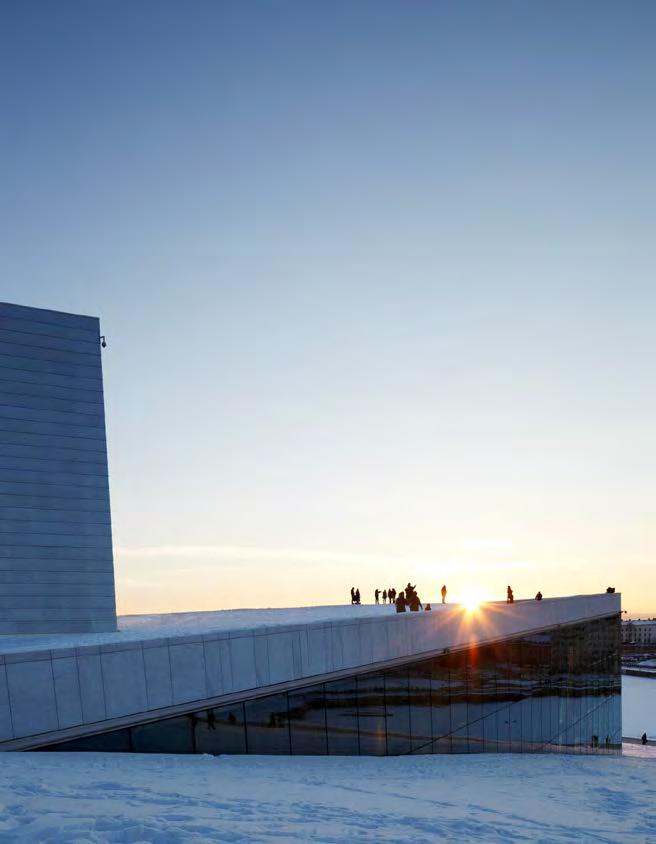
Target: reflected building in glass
x=556, y=690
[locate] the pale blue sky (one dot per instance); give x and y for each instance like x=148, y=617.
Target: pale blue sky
x=376, y=277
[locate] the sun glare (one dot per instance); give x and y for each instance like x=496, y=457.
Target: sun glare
x=471, y=601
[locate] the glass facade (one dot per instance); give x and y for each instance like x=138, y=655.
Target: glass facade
x=554, y=691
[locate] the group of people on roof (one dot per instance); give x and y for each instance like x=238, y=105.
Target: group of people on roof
x=408, y=597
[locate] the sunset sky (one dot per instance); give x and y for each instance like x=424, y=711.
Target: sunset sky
x=377, y=281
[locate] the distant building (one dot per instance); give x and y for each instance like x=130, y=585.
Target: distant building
x=639, y=632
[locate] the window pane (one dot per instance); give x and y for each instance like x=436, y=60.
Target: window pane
x=568, y=736
x=440, y=705
x=559, y=663
x=342, y=717
x=613, y=644
x=267, y=725
x=419, y=679
x=173, y=735
x=371, y=715
x=513, y=668
x=475, y=683
x=502, y=697
x=117, y=741
x=221, y=730
x=307, y=721
x=542, y=725
x=534, y=670
x=487, y=690
x=458, y=692
x=397, y=708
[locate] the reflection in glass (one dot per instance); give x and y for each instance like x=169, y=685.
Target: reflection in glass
x=371, y=715
x=458, y=691
x=221, y=730
x=397, y=708
x=440, y=706
x=267, y=725
x=558, y=690
x=307, y=721
x=475, y=697
x=419, y=680
x=342, y=717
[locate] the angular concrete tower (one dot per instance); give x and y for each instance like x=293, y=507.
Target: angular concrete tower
x=56, y=564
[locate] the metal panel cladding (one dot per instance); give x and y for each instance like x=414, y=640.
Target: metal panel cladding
x=56, y=563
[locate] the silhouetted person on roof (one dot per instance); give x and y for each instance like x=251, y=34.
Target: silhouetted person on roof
x=409, y=589
x=377, y=595
x=510, y=598
x=357, y=596
x=414, y=602
x=384, y=596
x=538, y=597
x=643, y=738
x=443, y=591
x=400, y=603
x=610, y=590
x=352, y=594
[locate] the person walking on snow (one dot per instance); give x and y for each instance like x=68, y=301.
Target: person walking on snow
x=443, y=591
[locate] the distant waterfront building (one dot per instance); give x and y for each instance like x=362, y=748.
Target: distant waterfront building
x=56, y=564
x=639, y=632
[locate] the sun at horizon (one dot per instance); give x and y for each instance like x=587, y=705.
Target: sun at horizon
x=471, y=601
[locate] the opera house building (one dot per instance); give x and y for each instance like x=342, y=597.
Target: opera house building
x=532, y=676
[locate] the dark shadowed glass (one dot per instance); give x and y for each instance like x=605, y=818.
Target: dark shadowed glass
x=342, y=717
x=267, y=725
x=397, y=708
x=419, y=695
x=440, y=705
x=173, y=735
x=458, y=692
x=307, y=721
x=221, y=730
x=371, y=715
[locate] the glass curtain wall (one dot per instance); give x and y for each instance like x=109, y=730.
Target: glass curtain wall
x=554, y=691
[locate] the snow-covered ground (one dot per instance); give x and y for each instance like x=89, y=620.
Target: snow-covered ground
x=167, y=799
x=639, y=706
x=93, y=798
